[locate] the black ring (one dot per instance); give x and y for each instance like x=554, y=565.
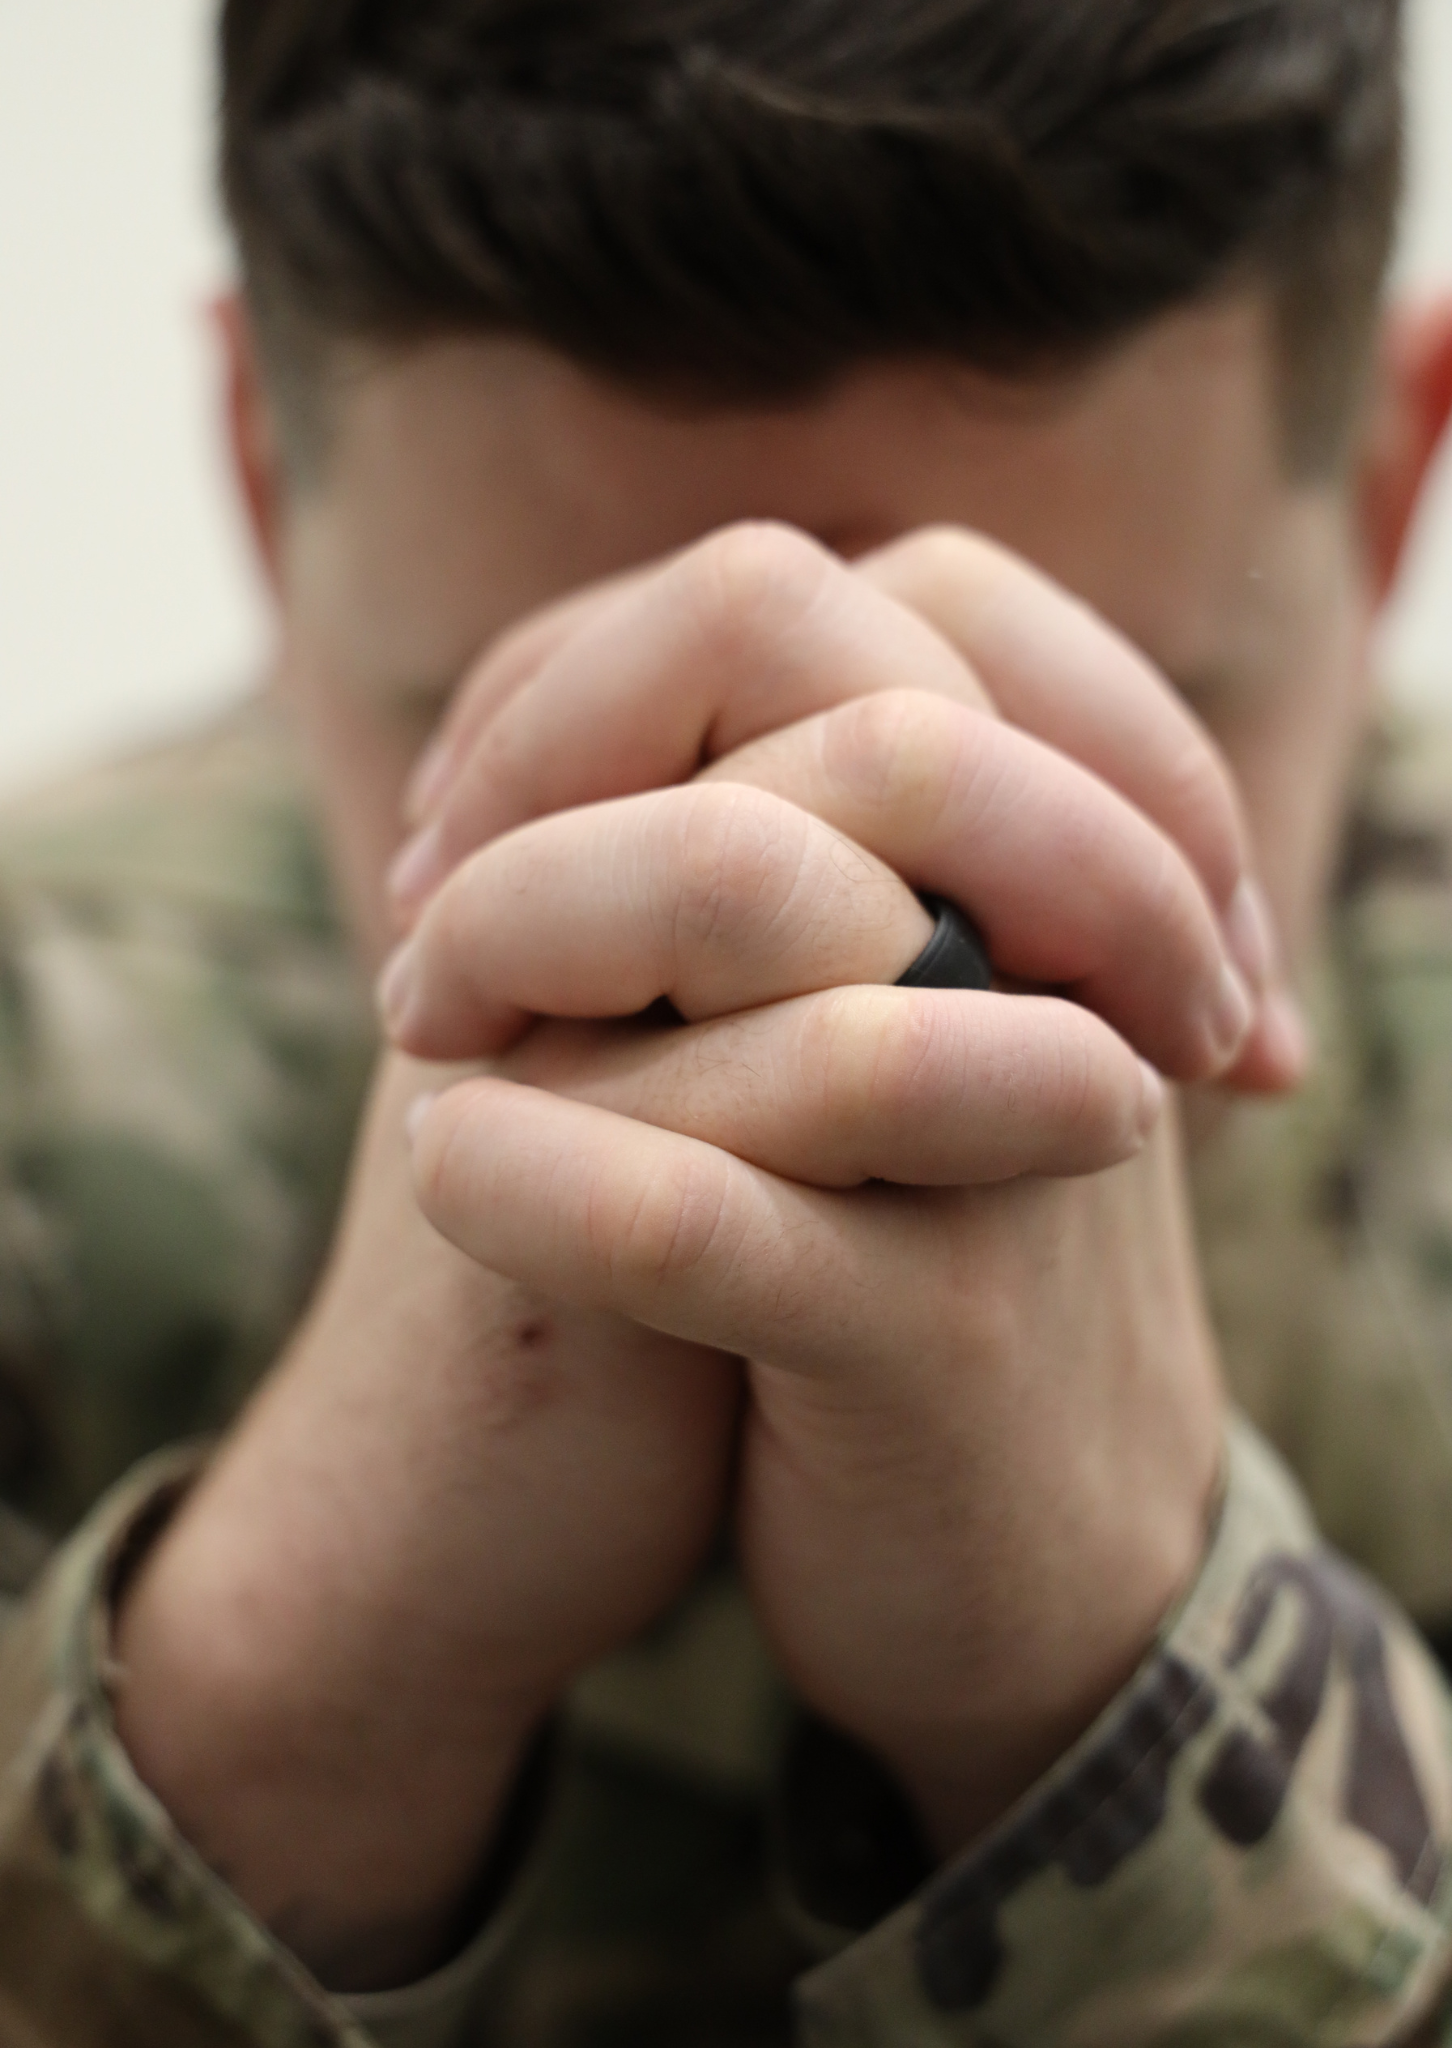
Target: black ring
x=954, y=957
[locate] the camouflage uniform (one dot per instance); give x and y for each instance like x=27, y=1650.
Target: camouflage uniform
x=1252, y=1845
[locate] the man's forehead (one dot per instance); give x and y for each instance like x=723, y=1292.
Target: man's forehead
x=471, y=480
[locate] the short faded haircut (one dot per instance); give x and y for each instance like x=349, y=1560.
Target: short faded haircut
x=739, y=200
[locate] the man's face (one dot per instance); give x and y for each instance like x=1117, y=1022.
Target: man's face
x=469, y=482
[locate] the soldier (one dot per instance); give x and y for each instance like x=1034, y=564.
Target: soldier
x=720, y=371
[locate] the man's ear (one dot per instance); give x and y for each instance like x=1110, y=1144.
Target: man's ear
x=1409, y=416
x=257, y=466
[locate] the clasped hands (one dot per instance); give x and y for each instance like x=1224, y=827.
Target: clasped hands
x=901, y=1279
x=945, y=1235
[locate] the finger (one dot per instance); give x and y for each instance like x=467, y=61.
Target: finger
x=916, y=1086
x=1070, y=885
x=753, y=628
x=513, y=660
x=1027, y=638
x=718, y=898
x=789, y=605
x=593, y=1208
x=1278, y=1053
x=1058, y=670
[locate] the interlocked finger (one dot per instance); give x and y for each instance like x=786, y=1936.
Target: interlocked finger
x=752, y=629
x=1056, y=669
x=860, y=1084
x=609, y=1212
x=1070, y=885
x=717, y=897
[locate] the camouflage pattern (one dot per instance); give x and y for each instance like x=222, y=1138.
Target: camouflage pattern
x=110, y=1929
x=1251, y=1846
x=1325, y=1223
x=184, y=1046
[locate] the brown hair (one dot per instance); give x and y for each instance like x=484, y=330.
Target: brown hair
x=738, y=199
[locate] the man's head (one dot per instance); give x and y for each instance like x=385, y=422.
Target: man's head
x=741, y=199
x=542, y=287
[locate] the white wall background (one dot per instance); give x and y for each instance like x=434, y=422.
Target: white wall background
x=126, y=598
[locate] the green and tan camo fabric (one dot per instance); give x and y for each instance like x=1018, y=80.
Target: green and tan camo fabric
x=1252, y=1846
x=1326, y=1223
x=183, y=1048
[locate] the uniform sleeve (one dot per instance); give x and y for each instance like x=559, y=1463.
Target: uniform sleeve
x=184, y=1046
x=1325, y=1220
x=112, y=1929
x=1250, y=1846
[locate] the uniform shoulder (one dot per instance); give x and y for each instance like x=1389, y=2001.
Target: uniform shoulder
x=185, y=1040
x=219, y=818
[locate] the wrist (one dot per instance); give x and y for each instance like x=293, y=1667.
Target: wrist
x=307, y=1742
x=1042, y=1694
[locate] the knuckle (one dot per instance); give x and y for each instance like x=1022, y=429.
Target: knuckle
x=945, y=552
x=911, y=1053
x=752, y=580
x=891, y=745
x=444, y=1159
x=944, y=558
x=448, y=940
x=1062, y=1082
x=674, y=1224
x=874, y=1055
x=832, y=1068
x=1077, y=1086
x=737, y=860
x=450, y=924
x=990, y=774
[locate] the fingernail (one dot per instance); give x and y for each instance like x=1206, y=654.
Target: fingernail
x=418, y=1109
x=1230, y=1017
x=1250, y=933
x=428, y=781
x=1285, y=1034
x=417, y=868
x=397, y=989
x=1151, y=1099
